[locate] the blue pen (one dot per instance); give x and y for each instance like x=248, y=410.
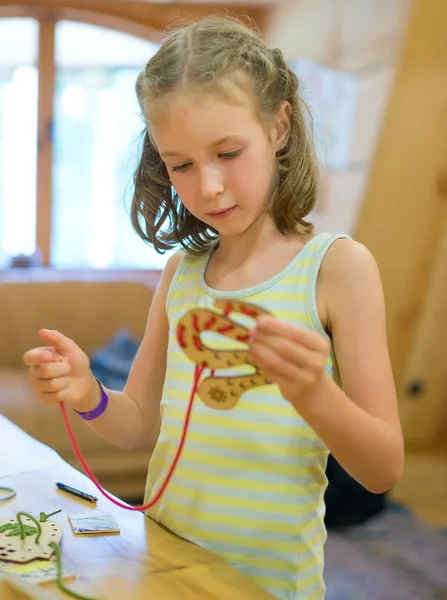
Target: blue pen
x=77, y=493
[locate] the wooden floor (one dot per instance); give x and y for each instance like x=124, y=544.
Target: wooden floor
x=423, y=488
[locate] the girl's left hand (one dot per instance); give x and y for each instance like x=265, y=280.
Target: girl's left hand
x=294, y=358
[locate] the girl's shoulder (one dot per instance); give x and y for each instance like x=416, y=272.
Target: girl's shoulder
x=172, y=265
x=348, y=274
x=344, y=258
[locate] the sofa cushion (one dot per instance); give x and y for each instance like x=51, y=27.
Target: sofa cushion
x=111, y=363
x=89, y=312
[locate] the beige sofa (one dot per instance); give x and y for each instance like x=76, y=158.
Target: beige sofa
x=89, y=312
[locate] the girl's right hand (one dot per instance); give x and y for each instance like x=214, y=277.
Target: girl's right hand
x=60, y=372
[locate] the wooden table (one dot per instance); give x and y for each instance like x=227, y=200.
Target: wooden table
x=144, y=562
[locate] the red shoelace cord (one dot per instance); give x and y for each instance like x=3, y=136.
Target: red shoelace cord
x=197, y=374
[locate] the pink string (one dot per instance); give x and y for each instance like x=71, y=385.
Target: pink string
x=197, y=374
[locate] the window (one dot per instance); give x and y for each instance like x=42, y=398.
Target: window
x=96, y=134
x=18, y=137
x=68, y=154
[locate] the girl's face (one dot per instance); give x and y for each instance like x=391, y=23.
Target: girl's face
x=220, y=159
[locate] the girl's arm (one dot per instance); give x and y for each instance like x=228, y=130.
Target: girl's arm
x=359, y=425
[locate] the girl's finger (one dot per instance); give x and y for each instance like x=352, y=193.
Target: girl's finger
x=290, y=351
x=51, y=370
x=39, y=356
x=266, y=324
x=276, y=367
x=57, y=384
x=54, y=398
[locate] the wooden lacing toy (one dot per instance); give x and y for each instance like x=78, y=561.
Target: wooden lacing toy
x=25, y=538
x=214, y=391
x=17, y=543
x=218, y=391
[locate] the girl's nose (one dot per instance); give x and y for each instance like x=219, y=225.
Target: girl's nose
x=212, y=183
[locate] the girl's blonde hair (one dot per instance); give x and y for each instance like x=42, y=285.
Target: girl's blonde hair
x=205, y=56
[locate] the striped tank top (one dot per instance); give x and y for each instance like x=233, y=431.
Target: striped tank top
x=250, y=482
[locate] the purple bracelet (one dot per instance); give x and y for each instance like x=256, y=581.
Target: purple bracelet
x=98, y=410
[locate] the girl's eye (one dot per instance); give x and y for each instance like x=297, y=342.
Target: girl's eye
x=180, y=168
x=230, y=155
x=225, y=155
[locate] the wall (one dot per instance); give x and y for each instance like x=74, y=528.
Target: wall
x=360, y=38
x=403, y=221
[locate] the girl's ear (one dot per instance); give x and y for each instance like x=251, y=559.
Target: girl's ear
x=282, y=126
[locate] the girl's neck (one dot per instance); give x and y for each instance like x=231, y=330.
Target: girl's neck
x=252, y=258
x=260, y=238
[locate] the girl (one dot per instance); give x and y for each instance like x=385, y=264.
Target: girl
x=229, y=173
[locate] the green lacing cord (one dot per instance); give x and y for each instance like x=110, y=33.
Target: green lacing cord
x=25, y=530
x=60, y=584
